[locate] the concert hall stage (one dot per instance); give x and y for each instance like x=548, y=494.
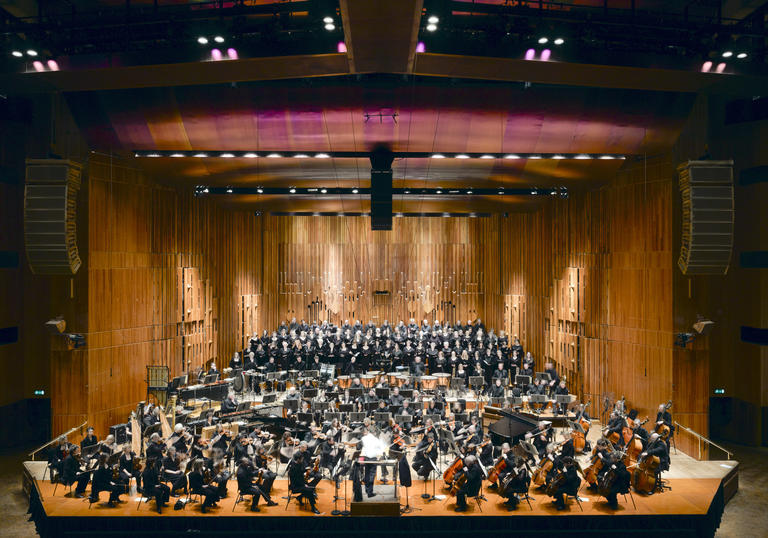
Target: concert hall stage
x=693, y=507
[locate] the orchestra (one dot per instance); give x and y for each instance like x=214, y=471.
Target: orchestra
x=411, y=391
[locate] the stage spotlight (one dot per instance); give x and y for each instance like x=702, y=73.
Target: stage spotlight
x=328, y=20
x=341, y=47
x=323, y=191
x=227, y=155
x=31, y=52
x=259, y=190
x=229, y=190
x=511, y=156
x=292, y=190
x=469, y=191
x=300, y=156
x=321, y=156
x=558, y=157
x=274, y=156
x=438, y=156
x=53, y=65
x=38, y=65
x=543, y=40
x=421, y=47
x=433, y=20
x=202, y=40
x=407, y=192
x=200, y=155
x=354, y=191
x=218, y=39
x=17, y=53
x=462, y=156
x=583, y=156
x=153, y=154
x=431, y=27
x=177, y=155
x=330, y=27
x=250, y=155
x=216, y=54
x=720, y=67
x=534, y=156
x=438, y=191
x=559, y=41
x=727, y=54
x=486, y=156
x=545, y=55
x=232, y=54
x=706, y=66
x=741, y=55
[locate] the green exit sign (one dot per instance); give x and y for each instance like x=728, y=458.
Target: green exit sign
x=719, y=391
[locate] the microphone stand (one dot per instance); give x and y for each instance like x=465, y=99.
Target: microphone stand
x=407, y=509
x=432, y=497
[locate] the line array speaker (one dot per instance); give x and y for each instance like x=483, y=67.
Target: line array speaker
x=708, y=214
x=50, y=211
x=381, y=189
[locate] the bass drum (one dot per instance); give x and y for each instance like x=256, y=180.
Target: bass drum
x=239, y=382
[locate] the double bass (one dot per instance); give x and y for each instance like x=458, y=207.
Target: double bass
x=644, y=476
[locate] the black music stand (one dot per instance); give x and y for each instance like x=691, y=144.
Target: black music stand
x=426, y=496
x=382, y=393
x=522, y=380
x=330, y=415
x=309, y=394
x=355, y=392
x=304, y=417
x=346, y=408
x=381, y=418
x=356, y=417
x=407, y=394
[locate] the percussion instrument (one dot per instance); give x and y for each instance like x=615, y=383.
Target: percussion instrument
x=428, y=382
x=392, y=379
x=443, y=380
x=368, y=381
x=402, y=380
x=377, y=374
x=344, y=381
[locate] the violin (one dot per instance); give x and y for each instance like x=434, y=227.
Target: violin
x=313, y=469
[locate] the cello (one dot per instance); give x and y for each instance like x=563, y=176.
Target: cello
x=498, y=467
x=453, y=469
x=644, y=476
x=663, y=429
x=580, y=437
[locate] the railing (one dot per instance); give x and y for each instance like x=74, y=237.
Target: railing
x=49, y=443
x=701, y=438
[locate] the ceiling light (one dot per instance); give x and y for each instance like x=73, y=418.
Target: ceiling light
x=229, y=190
x=421, y=47
x=741, y=55
x=250, y=155
x=720, y=67
x=218, y=39
x=533, y=191
x=727, y=54
x=259, y=190
x=543, y=40
x=17, y=53
x=301, y=156
x=534, y=156
x=501, y=192
x=153, y=154
x=328, y=20
x=558, y=157
x=545, y=55
x=321, y=155
x=407, y=192
x=292, y=190
x=462, y=156
x=39, y=67
x=446, y=214
x=433, y=20
x=439, y=191
x=323, y=190
x=431, y=27
x=205, y=190
x=177, y=155
x=354, y=191
x=559, y=41
x=330, y=27
x=530, y=54
x=202, y=40
x=398, y=214
x=53, y=65
x=606, y=157
x=438, y=156
x=706, y=66
x=486, y=156
x=200, y=155
x=227, y=155
x=511, y=156
x=274, y=156
x=583, y=156
x=31, y=52
x=553, y=192
x=469, y=192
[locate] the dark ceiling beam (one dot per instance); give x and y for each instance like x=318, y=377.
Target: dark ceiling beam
x=575, y=74
x=182, y=74
x=381, y=35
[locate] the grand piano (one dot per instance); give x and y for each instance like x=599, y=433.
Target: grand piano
x=507, y=426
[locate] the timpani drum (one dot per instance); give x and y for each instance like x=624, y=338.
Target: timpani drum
x=402, y=380
x=392, y=379
x=428, y=382
x=368, y=381
x=443, y=380
x=344, y=381
x=377, y=374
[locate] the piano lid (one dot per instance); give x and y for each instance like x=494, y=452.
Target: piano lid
x=511, y=427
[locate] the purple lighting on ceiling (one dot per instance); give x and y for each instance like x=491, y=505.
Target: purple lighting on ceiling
x=341, y=47
x=421, y=47
x=545, y=54
x=530, y=54
x=232, y=53
x=720, y=67
x=38, y=65
x=216, y=54
x=53, y=65
x=706, y=66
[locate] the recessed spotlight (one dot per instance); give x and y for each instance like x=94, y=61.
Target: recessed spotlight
x=438, y=156
x=558, y=156
x=328, y=20
x=407, y=192
x=153, y=154
x=227, y=155
x=534, y=156
x=354, y=191
x=202, y=40
x=606, y=157
x=446, y=214
x=300, y=156
x=727, y=54
x=31, y=52
x=438, y=191
x=398, y=214
x=741, y=55
x=177, y=155
x=250, y=155
x=292, y=190
x=469, y=191
x=501, y=192
x=543, y=40
x=486, y=156
x=433, y=19
x=17, y=53
x=533, y=191
x=324, y=191
x=229, y=190
x=200, y=155
x=462, y=156
x=218, y=39
x=583, y=156
x=321, y=155
x=259, y=190
x=431, y=27
x=274, y=156
x=511, y=156
x=330, y=27
x=553, y=192
x=205, y=190
x=559, y=41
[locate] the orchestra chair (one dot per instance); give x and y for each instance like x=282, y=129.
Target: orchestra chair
x=292, y=494
x=576, y=497
x=68, y=487
x=92, y=499
x=240, y=497
x=478, y=499
x=631, y=497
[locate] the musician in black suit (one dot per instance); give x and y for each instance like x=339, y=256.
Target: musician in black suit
x=497, y=389
x=229, y=404
x=152, y=485
x=71, y=472
x=472, y=485
x=245, y=475
x=657, y=447
x=568, y=480
x=426, y=450
x=90, y=438
x=127, y=466
x=102, y=481
x=298, y=486
x=663, y=416
x=155, y=447
x=197, y=486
